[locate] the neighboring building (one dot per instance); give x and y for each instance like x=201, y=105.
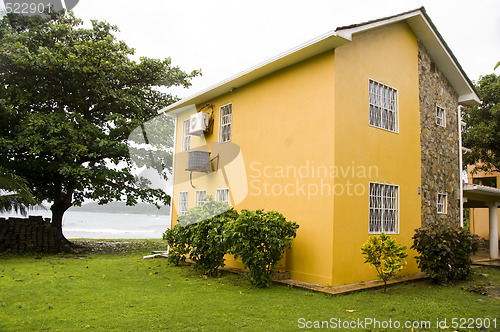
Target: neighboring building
x=351, y=134
x=479, y=215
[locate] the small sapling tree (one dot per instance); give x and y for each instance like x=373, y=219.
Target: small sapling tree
x=385, y=255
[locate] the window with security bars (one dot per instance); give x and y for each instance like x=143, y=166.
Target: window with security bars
x=383, y=102
x=384, y=208
x=186, y=138
x=183, y=202
x=200, y=197
x=442, y=203
x=440, y=116
x=226, y=115
x=223, y=195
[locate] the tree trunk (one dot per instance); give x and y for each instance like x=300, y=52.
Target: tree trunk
x=58, y=209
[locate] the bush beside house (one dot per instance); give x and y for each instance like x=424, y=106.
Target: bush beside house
x=208, y=232
x=444, y=251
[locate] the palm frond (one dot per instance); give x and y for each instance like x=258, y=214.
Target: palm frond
x=15, y=195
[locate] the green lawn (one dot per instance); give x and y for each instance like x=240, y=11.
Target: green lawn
x=122, y=292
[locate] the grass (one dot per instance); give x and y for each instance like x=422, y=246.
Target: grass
x=116, y=290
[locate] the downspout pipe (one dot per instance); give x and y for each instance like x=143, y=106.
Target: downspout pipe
x=460, y=164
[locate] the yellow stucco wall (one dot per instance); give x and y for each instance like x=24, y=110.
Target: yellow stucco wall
x=302, y=131
x=375, y=55
x=279, y=124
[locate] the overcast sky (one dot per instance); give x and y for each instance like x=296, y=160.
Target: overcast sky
x=225, y=37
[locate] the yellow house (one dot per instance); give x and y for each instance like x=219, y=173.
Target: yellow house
x=351, y=134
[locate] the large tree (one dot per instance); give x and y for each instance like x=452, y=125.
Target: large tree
x=482, y=133
x=70, y=97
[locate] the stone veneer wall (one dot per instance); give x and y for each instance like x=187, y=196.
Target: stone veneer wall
x=439, y=145
x=28, y=234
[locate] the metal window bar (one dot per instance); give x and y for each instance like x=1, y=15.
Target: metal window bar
x=200, y=197
x=223, y=195
x=383, y=105
x=440, y=116
x=383, y=208
x=183, y=202
x=186, y=138
x=441, y=203
x=226, y=113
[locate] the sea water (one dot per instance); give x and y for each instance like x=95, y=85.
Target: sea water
x=93, y=225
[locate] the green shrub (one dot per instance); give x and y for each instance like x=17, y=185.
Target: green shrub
x=385, y=255
x=206, y=233
x=178, y=239
x=199, y=236
x=444, y=251
x=260, y=239
x=208, y=242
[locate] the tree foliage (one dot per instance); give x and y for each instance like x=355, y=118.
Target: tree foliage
x=482, y=133
x=70, y=97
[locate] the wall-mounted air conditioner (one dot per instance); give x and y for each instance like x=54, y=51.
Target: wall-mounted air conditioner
x=198, y=123
x=199, y=161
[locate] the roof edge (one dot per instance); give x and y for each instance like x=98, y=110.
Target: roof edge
x=315, y=46
x=480, y=188
x=454, y=59
x=416, y=19
x=396, y=17
x=468, y=99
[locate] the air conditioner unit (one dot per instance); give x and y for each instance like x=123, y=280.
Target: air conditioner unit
x=198, y=123
x=199, y=161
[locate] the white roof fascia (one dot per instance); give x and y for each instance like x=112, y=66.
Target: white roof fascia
x=469, y=99
x=177, y=111
x=347, y=33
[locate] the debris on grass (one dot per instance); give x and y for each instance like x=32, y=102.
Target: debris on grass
x=478, y=289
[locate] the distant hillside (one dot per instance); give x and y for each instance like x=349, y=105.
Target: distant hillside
x=121, y=207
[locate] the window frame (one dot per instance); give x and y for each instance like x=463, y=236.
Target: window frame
x=445, y=205
x=229, y=124
x=372, y=104
x=199, y=202
x=384, y=209
x=438, y=108
x=182, y=204
x=217, y=194
x=185, y=135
